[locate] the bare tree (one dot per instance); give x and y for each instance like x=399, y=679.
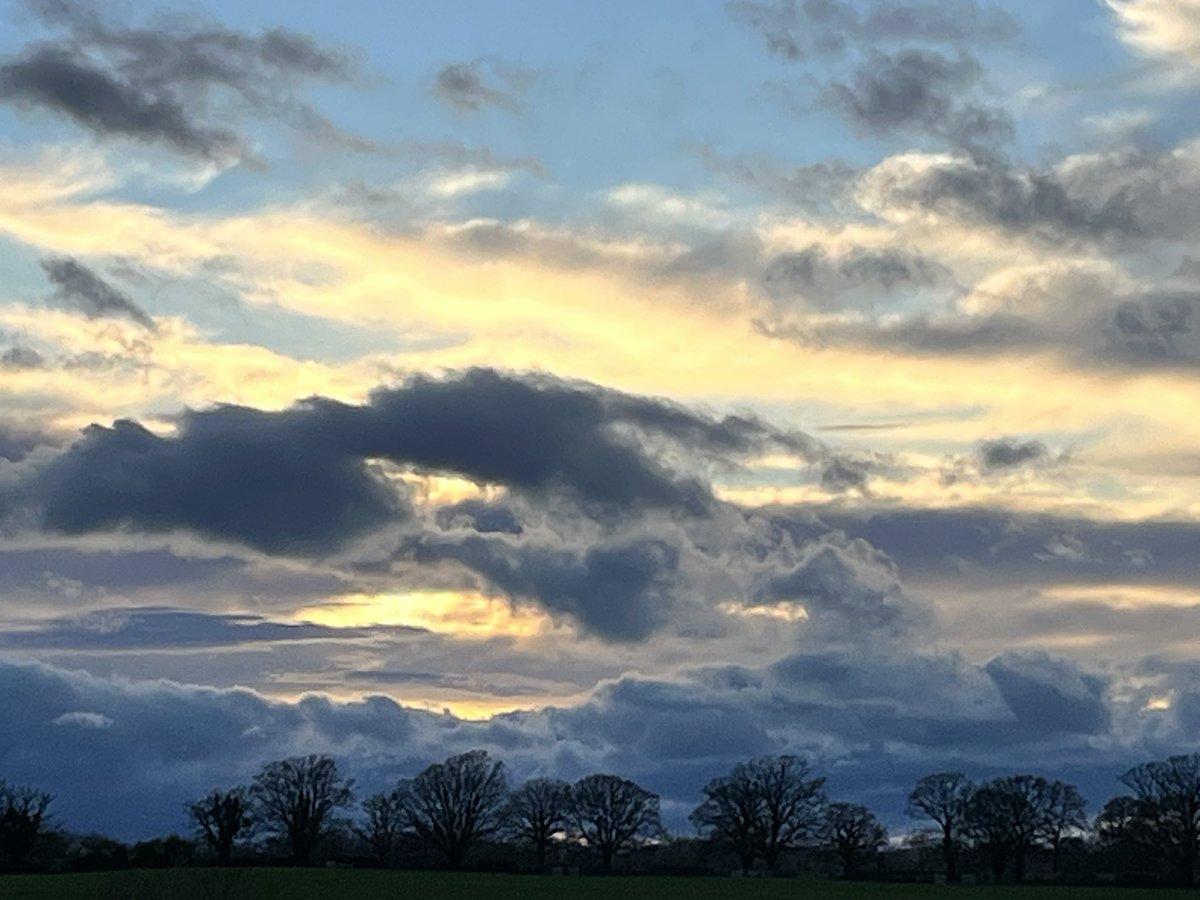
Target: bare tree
x=1009, y=816
x=384, y=822
x=536, y=812
x=791, y=803
x=453, y=804
x=220, y=817
x=1167, y=815
x=732, y=813
x=941, y=798
x=296, y=799
x=853, y=833
x=611, y=813
x=1065, y=813
x=23, y=818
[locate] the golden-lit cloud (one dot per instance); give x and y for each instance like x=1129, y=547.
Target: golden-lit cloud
x=453, y=613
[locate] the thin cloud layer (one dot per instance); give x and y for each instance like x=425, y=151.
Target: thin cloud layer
x=794, y=30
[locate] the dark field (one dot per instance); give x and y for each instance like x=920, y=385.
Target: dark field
x=307, y=884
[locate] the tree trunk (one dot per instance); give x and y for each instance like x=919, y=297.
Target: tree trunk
x=746, y=857
x=949, y=855
x=606, y=858
x=999, y=858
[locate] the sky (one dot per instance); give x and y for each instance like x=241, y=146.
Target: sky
x=627, y=387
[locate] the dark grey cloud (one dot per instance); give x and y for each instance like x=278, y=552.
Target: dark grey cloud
x=998, y=194
x=480, y=516
x=849, y=590
x=1126, y=196
x=1049, y=695
x=465, y=87
x=998, y=454
x=620, y=591
x=844, y=474
x=17, y=442
x=796, y=29
x=860, y=276
x=173, y=83
x=921, y=92
x=80, y=288
x=232, y=474
x=298, y=481
x=56, y=79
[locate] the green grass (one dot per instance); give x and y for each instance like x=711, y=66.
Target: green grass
x=344, y=884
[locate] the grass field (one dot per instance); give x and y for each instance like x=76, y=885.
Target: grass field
x=309, y=884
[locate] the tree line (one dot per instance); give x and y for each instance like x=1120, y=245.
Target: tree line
x=761, y=811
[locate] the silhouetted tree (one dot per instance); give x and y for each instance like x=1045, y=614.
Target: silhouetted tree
x=221, y=817
x=296, y=799
x=23, y=817
x=611, y=813
x=762, y=807
x=853, y=833
x=791, y=803
x=1166, y=818
x=1065, y=813
x=1119, y=821
x=1123, y=831
x=537, y=811
x=732, y=812
x=941, y=798
x=453, y=804
x=385, y=820
x=1009, y=815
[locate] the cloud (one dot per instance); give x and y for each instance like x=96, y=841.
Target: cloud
x=55, y=79
x=464, y=87
x=819, y=185
x=988, y=550
x=81, y=288
x=84, y=720
x=796, y=29
x=1160, y=27
x=21, y=356
x=1108, y=198
x=231, y=474
x=17, y=442
x=920, y=91
x=1007, y=453
x=298, y=481
x=858, y=277
x=164, y=628
x=1049, y=695
x=155, y=744
x=621, y=591
x=849, y=590
x=170, y=84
